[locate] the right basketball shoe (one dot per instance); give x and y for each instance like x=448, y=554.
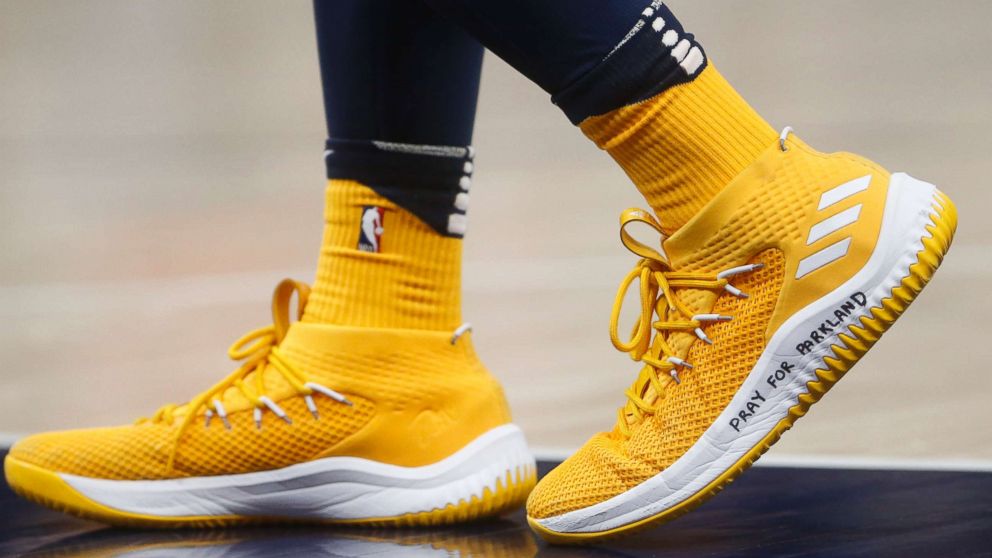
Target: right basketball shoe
x=749, y=314
x=335, y=418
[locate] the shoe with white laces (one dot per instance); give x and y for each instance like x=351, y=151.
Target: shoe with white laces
x=326, y=423
x=750, y=313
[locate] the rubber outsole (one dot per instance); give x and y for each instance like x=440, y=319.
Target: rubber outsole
x=47, y=488
x=941, y=228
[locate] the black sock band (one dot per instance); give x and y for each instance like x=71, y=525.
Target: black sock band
x=655, y=55
x=429, y=181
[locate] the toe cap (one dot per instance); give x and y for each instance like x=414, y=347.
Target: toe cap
x=120, y=453
x=597, y=472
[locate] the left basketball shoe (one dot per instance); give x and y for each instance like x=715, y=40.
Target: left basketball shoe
x=350, y=424
x=320, y=422
x=758, y=306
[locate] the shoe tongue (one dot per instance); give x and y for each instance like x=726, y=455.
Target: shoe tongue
x=684, y=247
x=274, y=384
x=275, y=387
x=232, y=398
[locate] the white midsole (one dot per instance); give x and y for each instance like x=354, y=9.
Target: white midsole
x=329, y=488
x=908, y=211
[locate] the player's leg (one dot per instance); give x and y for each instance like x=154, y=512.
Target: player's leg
x=373, y=408
x=781, y=265
x=396, y=71
x=636, y=82
x=400, y=87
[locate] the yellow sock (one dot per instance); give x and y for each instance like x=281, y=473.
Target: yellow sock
x=684, y=145
x=380, y=266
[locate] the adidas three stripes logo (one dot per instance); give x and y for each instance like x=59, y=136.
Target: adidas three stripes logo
x=832, y=224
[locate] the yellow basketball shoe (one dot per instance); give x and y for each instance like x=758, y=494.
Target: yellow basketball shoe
x=320, y=423
x=762, y=302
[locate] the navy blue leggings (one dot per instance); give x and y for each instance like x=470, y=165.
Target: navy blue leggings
x=402, y=72
x=408, y=71
x=395, y=70
x=552, y=42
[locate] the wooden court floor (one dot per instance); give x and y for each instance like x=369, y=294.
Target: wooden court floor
x=160, y=171
x=768, y=512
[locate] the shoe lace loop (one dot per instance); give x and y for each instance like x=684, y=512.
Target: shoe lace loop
x=649, y=339
x=257, y=350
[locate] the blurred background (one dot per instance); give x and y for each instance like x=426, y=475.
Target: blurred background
x=161, y=170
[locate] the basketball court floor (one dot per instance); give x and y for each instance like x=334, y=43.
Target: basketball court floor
x=160, y=172
x=771, y=511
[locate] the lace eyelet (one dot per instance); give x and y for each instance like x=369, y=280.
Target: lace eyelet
x=784, y=136
x=311, y=406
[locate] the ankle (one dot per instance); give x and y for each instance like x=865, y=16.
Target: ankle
x=380, y=266
x=683, y=146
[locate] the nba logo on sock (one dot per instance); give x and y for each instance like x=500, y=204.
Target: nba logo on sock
x=370, y=234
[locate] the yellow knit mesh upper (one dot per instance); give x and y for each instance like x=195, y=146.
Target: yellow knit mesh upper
x=430, y=398
x=118, y=453
x=719, y=370
x=610, y=464
x=215, y=450
x=416, y=399
x=141, y=451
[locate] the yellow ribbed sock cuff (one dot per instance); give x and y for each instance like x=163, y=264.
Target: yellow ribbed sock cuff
x=412, y=282
x=684, y=145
